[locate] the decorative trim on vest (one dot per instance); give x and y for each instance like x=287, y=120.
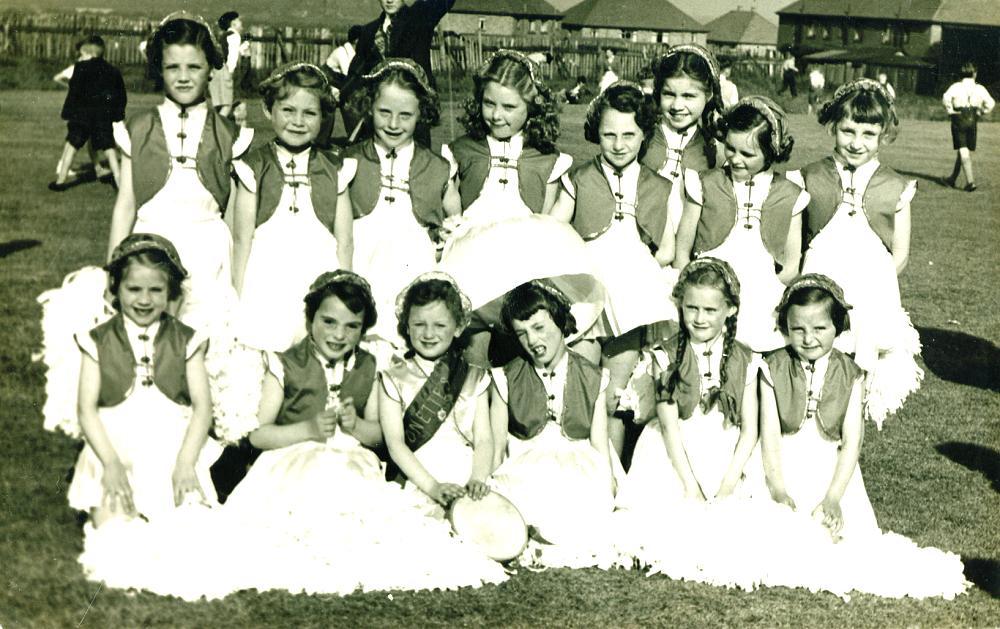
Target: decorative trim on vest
x=595, y=202
x=791, y=391
x=117, y=361
x=306, y=389
x=527, y=400
x=323, y=170
x=688, y=394
x=429, y=175
x=533, y=170
x=697, y=154
x=879, y=200
x=718, y=213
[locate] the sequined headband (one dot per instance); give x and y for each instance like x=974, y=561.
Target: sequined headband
x=197, y=19
x=775, y=116
x=597, y=100
x=814, y=280
x=554, y=292
x=698, y=51
x=719, y=266
x=513, y=55
x=861, y=85
x=341, y=276
x=138, y=242
x=443, y=277
x=280, y=73
x=399, y=63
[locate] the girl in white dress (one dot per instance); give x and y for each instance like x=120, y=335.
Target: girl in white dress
x=175, y=173
x=293, y=216
x=399, y=189
x=550, y=424
x=857, y=230
x=433, y=405
x=617, y=205
x=748, y=215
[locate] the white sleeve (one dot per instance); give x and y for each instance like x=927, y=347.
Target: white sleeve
x=242, y=143
x=907, y=196
x=390, y=387
x=692, y=186
x=198, y=339
x=233, y=56
x=346, y=175
x=122, y=138
x=765, y=373
x=245, y=175
x=605, y=380
x=482, y=384
x=568, y=186
x=795, y=176
x=452, y=162
x=273, y=366
x=756, y=363
x=86, y=344
x=563, y=163
x=801, y=203
x=500, y=382
x=66, y=73
x=986, y=101
x=946, y=100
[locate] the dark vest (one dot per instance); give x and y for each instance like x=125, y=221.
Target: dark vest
x=697, y=155
x=323, y=169
x=151, y=162
x=526, y=398
x=306, y=389
x=533, y=170
x=117, y=362
x=595, y=203
x=791, y=391
x=879, y=200
x=718, y=213
x=429, y=174
x=687, y=394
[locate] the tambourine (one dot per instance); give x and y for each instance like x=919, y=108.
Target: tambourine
x=493, y=523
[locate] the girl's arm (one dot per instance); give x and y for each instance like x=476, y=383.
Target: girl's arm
x=901, y=239
x=184, y=478
x=850, y=448
x=551, y=195
x=599, y=430
x=670, y=429
x=483, y=451
x=666, y=252
x=498, y=425
x=343, y=230
x=452, y=201
x=391, y=417
x=123, y=214
x=686, y=232
x=745, y=444
x=793, y=251
x=244, y=225
x=365, y=429
x=271, y=436
x=114, y=480
x=564, y=207
x=770, y=443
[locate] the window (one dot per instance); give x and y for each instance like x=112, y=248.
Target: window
x=904, y=35
x=887, y=35
x=482, y=24
x=626, y=34
x=856, y=34
x=811, y=31
x=825, y=32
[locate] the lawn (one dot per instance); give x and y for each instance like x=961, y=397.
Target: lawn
x=933, y=472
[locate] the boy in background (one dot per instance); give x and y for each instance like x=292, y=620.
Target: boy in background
x=965, y=101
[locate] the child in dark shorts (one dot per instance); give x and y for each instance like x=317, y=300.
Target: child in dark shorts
x=96, y=99
x=965, y=102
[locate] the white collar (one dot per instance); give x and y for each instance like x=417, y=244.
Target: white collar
x=284, y=155
x=133, y=329
x=176, y=108
x=404, y=152
x=611, y=171
x=325, y=362
x=710, y=345
x=560, y=367
x=681, y=137
x=760, y=179
x=514, y=145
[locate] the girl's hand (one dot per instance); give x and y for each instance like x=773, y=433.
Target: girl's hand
x=117, y=490
x=348, y=415
x=723, y=493
x=445, y=493
x=476, y=489
x=833, y=518
x=325, y=424
x=783, y=498
x=186, y=482
x=695, y=493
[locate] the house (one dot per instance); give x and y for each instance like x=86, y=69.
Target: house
x=501, y=17
x=743, y=34
x=645, y=21
x=920, y=44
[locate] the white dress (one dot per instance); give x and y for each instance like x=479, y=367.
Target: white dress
x=289, y=251
x=674, y=171
x=744, y=250
x=391, y=248
x=146, y=431
x=638, y=288
x=882, y=339
x=563, y=487
x=313, y=517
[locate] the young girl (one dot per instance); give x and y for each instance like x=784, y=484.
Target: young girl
x=398, y=191
x=616, y=204
x=175, y=168
x=144, y=404
x=706, y=400
x=857, y=232
x=559, y=471
x=748, y=215
x=686, y=82
x=293, y=213
x=433, y=405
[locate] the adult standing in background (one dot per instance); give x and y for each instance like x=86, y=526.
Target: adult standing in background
x=789, y=73
x=728, y=91
x=405, y=28
x=221, y=88
x=965, y=101
x=817, y=83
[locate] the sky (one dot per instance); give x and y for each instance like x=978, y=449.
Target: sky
x=707, y=10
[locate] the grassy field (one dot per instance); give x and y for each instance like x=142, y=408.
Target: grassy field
x=933, y=473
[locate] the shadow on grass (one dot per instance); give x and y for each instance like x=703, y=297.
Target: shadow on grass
x=985, y=573
x=962, y=358
x=940, y=180
x=13, y=246
x=974, y=457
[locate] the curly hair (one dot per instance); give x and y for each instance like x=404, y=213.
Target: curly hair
x=427, y=292
x=524, y=301
x=362, y=101
x=541, y=128
x=748, y=119
x=180, y=32
x=626, y=99
x=862, y=106
x=357, y=300
x=692, y=66
x=304, y=78
x=808, y=295
x=152, y=258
